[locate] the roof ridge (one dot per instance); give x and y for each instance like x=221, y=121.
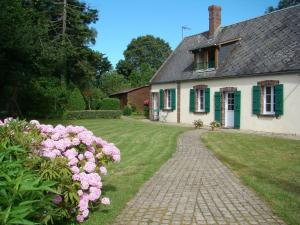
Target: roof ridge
x=246, y=20
x=264, y=15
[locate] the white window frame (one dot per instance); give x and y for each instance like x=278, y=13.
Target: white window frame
x=198, y=97
x=272, y=112
x=168, y=98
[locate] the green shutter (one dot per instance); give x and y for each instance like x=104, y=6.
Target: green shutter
x=218, y=107
x=279, y=100
x=237, y=109
x=161, y=99
x=256, y=100
x=173, y=98
x=192, y=100
x=207, y=99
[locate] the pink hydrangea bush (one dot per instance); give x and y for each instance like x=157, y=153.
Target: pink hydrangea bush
x=86, y=156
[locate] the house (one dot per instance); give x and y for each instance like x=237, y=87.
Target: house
x=134, y=97
x=245, y=75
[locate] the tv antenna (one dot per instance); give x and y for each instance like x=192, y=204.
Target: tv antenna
x=185, y=27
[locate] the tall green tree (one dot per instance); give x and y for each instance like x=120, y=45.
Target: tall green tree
x=143, y=50
x=47, y=39
x=282, y=4
x=111, y=82
x=141, y=76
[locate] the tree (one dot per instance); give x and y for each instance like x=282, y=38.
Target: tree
x=141, y=76
x=283, y=4
x=143, y=50
x=111, y=82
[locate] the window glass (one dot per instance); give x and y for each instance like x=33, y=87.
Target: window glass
x=230, y=101
x=269, y=100
x=200, y=100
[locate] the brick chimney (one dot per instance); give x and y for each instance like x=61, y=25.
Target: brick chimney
x=214, y=18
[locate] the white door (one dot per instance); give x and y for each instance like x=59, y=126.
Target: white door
x=155, y=106
x=229, y=109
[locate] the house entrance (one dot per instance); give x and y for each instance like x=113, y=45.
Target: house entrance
x=229, y=109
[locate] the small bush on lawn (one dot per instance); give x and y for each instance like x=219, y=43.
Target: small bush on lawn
x=214, y=125
x=127, y=111
x=110, y=104
x=49, y=175
x=93, y=114
x=76, y=100
x=198, y=124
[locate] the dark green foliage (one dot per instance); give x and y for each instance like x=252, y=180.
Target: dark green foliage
x=35, y=51
x=143, y=56
x=127, y=111
x=283, y=4
x=25, y=197
x=110, y=104
x=47, y=97
x=112, y=82
x=146, y=111
x=93, y=98
x=198, y=124
x=93, y=114
x=76, y=100
x=141, y=76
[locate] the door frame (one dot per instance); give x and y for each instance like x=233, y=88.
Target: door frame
x=223, y=91
x=226, y=114
x=155, y=105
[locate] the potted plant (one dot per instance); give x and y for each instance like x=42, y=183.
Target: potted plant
x=215, y=125
x=198, y=124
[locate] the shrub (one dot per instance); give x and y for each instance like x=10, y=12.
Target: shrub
x=93, y=114
x=110, y=104
x=214, y=125
x=198, y=124
x=76, y=100
x=146, y=111
x=60, y=171
x=127, y=110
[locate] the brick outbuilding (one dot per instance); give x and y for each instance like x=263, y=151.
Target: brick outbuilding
x=133, y=96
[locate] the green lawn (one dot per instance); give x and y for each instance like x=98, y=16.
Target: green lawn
x=271, y=166
x=144, y=148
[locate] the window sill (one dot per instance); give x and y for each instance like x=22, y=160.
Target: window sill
x=267, y=115
x=199, y=112
x=205, y=70
x=167, y=110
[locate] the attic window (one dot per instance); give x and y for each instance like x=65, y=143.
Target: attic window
x=205, y=59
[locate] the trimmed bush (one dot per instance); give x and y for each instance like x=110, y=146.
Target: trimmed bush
x=93, y=114
x=198, y=124
x=76, y=100
x=127, y=111
x=110, y=104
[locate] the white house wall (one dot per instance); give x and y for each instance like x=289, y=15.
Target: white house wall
x=288, y=123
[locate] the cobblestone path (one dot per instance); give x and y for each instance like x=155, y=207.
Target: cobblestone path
x=194, y=187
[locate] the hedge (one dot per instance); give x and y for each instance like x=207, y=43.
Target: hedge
x=110, y=104
x=93, y=114
x=76, y=100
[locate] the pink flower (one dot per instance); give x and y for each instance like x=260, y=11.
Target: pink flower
x=88, y=155
x=116, y=158
x=73, y=162
x=94, y=193
x=80, y=218
x=89, y=167
x=35, y=122
x=75, y=141
x=105, y=201
x=75, y=169
x=80, y=157
x=57, y=199
x=80, y=193
x=85, y=213
x=76, y=177
x=103, y=170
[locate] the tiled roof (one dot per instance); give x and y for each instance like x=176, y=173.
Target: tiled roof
x=124, y=91
x=267, y=44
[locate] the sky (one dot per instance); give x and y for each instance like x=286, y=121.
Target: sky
x=122, y=20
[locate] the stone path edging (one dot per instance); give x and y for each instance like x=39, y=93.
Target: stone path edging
x=194, y=187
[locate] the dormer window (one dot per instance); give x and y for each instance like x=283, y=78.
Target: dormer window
x=205, y=58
